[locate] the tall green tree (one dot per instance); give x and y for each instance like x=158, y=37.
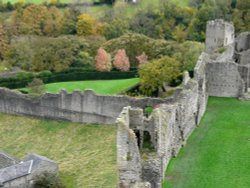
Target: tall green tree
x=45, y=53
x=241, y=16
x=187, y=54
x=88, y=25
x=38, y=20
x=116, y=28
x=70, y=19
x=20, y=55
x=156, y=73
x=209, y=10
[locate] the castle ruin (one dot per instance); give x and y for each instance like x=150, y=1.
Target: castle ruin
x=145, y=145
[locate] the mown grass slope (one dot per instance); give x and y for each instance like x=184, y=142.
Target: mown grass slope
x=86, y=154
x=217, y=154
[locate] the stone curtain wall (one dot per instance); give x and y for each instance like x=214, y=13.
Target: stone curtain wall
x=224, y=80
x=84, y=107
x=172, y=120
x=169, y=126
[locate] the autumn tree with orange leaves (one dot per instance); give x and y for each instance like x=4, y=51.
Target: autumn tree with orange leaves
x=121, y=61
x=103, y=61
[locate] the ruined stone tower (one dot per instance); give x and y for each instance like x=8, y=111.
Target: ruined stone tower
x=218, y=34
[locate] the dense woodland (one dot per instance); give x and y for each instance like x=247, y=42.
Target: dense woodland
x=164, y=37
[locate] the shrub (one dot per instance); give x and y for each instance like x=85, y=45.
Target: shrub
x=24, y=75
x=148, y=110
x=36, y=87
x=48, y=180
x=220, y=50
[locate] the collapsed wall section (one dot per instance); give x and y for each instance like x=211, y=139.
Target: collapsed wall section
x=242, y=42
x=242, y=49
x=128, y=157
x=84, y=107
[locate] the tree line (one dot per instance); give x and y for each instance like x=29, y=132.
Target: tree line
x=45, y=37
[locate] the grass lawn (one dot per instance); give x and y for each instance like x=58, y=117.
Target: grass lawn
x=86, y=154
x=107, y=87
x=217, y=154
x=99, y=86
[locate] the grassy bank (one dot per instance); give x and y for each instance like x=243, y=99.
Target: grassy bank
x=218, y=152
x=86, y=154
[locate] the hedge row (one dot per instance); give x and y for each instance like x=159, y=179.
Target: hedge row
x=23, y=78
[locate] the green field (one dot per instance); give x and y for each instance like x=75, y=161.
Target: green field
x=107, y=87
x=217, y=154
x=48, y=1
x=144, y=2
x=86, y=154
x=130, y=10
